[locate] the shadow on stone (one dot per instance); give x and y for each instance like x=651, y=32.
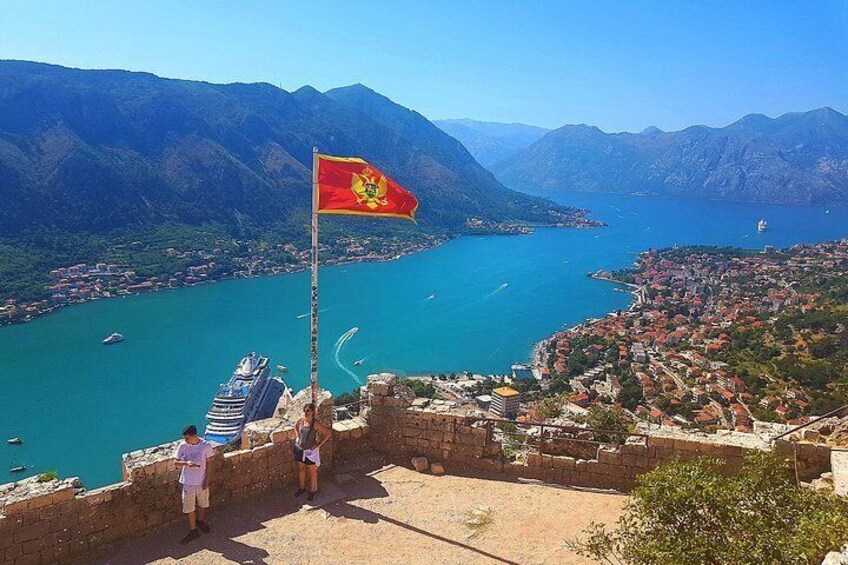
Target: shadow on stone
x=227, y=524
x=365, y=485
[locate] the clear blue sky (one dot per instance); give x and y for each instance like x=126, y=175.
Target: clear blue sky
x=617, y=65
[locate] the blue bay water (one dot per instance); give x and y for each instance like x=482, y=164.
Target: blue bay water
x=78, y=405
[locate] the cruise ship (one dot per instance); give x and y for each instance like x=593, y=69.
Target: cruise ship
x=238, y=401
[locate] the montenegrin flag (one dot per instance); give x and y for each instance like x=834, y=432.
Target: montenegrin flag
x=348, y=185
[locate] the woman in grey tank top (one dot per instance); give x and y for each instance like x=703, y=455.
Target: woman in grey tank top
x=311, y=435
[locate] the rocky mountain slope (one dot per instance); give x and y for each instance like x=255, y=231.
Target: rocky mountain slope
x=796, y=158
x=490, y=142
x=94, y=151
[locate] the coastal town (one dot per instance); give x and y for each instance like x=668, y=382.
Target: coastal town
x=75, y=284
x=715, y=339
x=121, y=274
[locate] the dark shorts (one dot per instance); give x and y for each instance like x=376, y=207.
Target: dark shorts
x=301, y=458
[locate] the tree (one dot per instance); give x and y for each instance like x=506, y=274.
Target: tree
x=603, y=418
x=559, y=385
x=631, y=394
x=691, y=512
x=550, y=407
x=347, y=397
x=421, y=389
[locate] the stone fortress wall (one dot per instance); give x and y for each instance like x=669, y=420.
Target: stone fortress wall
x=410, y=427
x=61, y=521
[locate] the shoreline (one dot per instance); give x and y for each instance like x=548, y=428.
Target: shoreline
x=638, y=292
x=673, y=355
x=429, y=243
x=638, y=300
x=299, y=269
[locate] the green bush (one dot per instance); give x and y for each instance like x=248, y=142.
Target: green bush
x=690, y=513
x=421, y=389
x=603, y=418
x=347, y=398
x=48, y=476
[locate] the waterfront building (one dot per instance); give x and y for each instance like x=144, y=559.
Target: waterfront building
x=505, y=402
x=484, y=401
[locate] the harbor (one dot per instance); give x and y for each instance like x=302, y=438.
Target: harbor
x=181, y=345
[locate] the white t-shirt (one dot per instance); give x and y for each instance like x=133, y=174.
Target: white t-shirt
x=198, y=453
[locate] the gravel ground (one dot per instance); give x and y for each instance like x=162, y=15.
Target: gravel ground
x=392, y=514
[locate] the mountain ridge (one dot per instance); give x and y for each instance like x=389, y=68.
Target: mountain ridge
x=490, y=142
x=126, y=165
x=798, y=157
x=139, y=148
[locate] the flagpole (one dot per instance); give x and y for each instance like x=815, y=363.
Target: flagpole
x=314, y=291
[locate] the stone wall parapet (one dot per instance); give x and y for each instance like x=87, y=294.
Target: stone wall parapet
x=58, y=520
x=47, y=521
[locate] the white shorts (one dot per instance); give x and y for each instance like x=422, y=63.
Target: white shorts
x=194, y=496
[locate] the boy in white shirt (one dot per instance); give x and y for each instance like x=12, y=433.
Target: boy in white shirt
x=191, y=457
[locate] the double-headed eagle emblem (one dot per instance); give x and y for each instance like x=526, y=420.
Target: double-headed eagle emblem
x=369, y=190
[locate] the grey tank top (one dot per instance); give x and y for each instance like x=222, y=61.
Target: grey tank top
x=307, y=436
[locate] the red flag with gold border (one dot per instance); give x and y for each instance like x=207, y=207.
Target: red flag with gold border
x=349, y=185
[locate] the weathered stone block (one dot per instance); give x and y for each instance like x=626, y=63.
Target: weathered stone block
x=379, y=389
x=660, y=442
x=28, y=559
x=420, y=464
x=12, y=553
x=32, y=531
x=283, y=435
x=565, y=462
x=32, y=546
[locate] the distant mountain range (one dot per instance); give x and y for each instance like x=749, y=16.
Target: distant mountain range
x=94, y=151
x=490, y=142
x=796, y=158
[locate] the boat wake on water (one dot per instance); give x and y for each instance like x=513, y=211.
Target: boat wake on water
x=494, y=292
x=337, y=349
x=486, y=297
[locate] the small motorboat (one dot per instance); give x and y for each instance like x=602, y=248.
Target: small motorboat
x=432, y=296
x=114, y=338
x=282, y=368
x=18, y=469
x=358, y=362
x=15, y=441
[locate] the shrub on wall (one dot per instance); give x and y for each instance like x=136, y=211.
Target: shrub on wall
x=688, y=512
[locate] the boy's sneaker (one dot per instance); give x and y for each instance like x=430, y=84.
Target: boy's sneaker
x=190, y=537
x=203, y=526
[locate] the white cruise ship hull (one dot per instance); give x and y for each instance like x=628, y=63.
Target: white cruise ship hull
x=238, y=401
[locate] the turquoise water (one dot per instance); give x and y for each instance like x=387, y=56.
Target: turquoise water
x=78, y=405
